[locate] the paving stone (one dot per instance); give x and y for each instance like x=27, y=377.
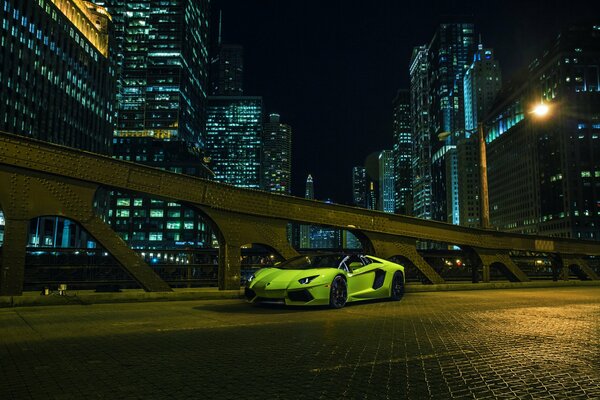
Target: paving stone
x=512, y=344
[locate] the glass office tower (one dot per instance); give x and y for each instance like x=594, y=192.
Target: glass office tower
x=56, y=77
x=233, y=139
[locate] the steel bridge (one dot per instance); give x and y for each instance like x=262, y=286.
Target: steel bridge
x=41, y=179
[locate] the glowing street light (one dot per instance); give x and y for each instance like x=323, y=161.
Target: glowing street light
x=541, y=110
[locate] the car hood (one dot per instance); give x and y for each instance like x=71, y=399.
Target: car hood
x=275, y=278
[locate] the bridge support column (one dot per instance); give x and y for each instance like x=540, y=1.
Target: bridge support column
x=235, y=230
x=491, y=257
x=12, y=265
x=579, y=266
x=25, y=197
x=386, y=246
x=129, y=259
x=230, y=266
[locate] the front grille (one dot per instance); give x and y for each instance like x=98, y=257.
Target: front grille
x=300, y=295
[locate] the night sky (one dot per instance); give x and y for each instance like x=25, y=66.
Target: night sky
x=331, y=68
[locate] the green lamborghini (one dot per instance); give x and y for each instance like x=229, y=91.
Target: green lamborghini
x=326, y=279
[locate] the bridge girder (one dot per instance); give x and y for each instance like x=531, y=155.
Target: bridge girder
x=38, y=178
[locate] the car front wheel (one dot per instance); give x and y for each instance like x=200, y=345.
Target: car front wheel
x=338, y=294
x=397, y=289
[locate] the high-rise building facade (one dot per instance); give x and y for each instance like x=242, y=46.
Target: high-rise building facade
x=56, y=77
x=359, y=187
x=482, y=82
x=401, y=126
x=421, y=138
x=276, y=156
x=163, y=68
x=234, y=139
x=371, y=196
x=387, y=187
x=162, y=72
x=227, y=70
x=305, y=230
x=544, y=173
x=450, y=53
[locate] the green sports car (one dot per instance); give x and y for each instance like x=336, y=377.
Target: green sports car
x=326, y=279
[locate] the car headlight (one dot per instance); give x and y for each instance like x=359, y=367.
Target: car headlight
x=306, y=280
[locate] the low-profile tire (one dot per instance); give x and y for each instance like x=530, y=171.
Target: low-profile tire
x=338, y=294
x=397, y=287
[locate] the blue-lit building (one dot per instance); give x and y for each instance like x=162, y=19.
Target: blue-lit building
x=402, y=136
x=56, y=77
x=544, y=173
x=421, y=137
x=438, y=111
x=387, y=187
x=482, y=82
x=234, y=139
x=450, y=54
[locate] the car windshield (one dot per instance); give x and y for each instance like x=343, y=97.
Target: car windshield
x=312, y=261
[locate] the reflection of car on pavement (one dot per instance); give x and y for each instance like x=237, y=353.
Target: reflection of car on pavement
x=326, y=279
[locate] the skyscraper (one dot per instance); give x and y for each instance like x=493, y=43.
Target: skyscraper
x=438, y=112
x=402, y=152
x=421, y=138
x=227, y=70
x=544, y=173
x=450, y=53
x=387, y=187
x=162, y=70
x=277, y=156
x=57, y=80
x=234, y=139
x=371, y=197
x=482, y=82
x=305, y=230
x=359, y=187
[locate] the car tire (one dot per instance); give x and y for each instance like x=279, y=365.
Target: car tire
x=338, y=293
x=397, y=286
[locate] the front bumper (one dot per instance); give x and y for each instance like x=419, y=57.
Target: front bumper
x=308, y=296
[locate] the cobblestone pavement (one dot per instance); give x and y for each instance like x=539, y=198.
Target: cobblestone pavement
x=497, y=344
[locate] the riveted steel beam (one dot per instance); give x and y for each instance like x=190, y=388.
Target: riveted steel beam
x=579, y=266
x=27, y=194
x=493, y=257
x=387, y=246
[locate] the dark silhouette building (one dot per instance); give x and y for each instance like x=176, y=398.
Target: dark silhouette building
x=544, y=173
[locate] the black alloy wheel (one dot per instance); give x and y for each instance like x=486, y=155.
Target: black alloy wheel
x=397, y=289
x=338, y=295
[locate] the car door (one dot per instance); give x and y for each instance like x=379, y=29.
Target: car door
x=360, y=278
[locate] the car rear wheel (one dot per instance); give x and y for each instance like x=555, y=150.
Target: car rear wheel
x=397, y=289
x=338, y=294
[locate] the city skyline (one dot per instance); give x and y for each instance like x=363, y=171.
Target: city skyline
x=338, y=99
